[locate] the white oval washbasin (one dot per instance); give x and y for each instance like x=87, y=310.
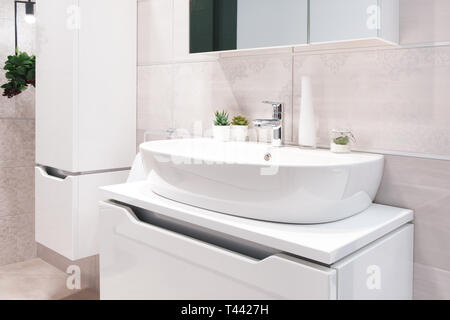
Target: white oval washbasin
x=258, y=181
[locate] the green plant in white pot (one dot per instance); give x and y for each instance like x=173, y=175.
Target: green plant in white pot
x=221, y=128
x=239, y=128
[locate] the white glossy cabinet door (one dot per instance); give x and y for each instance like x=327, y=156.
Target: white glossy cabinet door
x=56, y=84
x=143, y=261
x=341, y=20
x=67, y=211
x=382, y=270
x=86, y=84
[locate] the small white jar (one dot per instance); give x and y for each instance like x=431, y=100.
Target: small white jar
x=221, y=133
x=239, y=133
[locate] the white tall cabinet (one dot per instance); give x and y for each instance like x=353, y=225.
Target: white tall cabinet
x=85, y=115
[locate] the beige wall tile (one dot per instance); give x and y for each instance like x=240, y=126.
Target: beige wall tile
x=424, y=21
x=424, y=186
x=431, y=283
x=254, y=79
x=155, y=31
x=200, y=90
x=155, y=97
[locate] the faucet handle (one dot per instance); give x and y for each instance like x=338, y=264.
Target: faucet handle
x=274, y=104
x=277, y=109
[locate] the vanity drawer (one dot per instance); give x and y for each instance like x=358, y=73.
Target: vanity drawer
x=145, y=260
x=67, y=211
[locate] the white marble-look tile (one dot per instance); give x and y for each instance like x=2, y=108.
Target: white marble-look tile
x=155, y=31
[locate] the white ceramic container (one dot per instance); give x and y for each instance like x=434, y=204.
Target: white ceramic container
x=239, y=133
x=222, y=133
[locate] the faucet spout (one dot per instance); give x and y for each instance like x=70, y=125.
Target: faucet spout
x=276, y=123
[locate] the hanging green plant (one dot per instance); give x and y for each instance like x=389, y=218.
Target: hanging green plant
x=20, y=72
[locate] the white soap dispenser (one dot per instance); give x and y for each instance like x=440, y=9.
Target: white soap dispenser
x=307, y=121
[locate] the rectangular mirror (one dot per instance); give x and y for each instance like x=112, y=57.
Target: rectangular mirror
x=220, y=25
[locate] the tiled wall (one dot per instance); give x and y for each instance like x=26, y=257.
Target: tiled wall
x=16, y=150
x=395, y=101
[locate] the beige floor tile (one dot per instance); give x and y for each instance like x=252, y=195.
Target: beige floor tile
x=32, y=280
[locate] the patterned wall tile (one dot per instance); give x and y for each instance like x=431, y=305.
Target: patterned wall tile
x=392, y=99
x=253, y=79
x=16, y=191
x=17, y=143
x=17, y=238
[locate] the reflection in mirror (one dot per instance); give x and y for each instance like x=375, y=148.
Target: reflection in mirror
x=218, y=25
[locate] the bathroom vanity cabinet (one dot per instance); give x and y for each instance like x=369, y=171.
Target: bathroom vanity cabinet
x=155, y=248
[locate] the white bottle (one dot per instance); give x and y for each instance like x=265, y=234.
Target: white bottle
x=307, y=121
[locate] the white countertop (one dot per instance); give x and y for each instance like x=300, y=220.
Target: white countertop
x=325, y=243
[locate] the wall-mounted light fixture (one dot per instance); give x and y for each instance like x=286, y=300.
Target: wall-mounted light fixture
x=29, y=12
x=29, y=15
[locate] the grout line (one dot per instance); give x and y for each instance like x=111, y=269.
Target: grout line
x=18, y=167
x=292, y=95
x=12, y=118
x=26, y=213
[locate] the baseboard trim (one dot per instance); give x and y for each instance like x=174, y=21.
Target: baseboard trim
x=90, y=270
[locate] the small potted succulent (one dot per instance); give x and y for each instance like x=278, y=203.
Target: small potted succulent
x=341, y=140
x=221, y=128
x=239, y=128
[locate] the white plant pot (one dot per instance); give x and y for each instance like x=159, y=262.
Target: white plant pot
x=339, y=148
x=239, y=133
x=221, y=133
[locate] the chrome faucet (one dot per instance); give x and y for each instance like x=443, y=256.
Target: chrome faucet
x=276, y=123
